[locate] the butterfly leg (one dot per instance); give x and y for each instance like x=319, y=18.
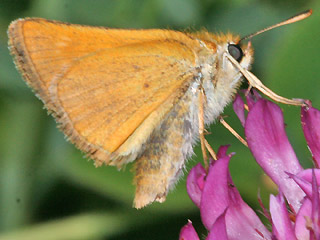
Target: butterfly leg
x=233, y=132
x=204, y=144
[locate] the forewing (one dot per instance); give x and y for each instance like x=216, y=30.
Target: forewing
x=102, y=84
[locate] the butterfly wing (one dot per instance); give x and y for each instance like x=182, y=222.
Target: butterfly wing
x=107, y=88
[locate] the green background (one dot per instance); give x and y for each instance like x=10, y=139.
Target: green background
x=49, y=191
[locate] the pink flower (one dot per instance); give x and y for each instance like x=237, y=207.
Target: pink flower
x=223, y=212
x=227, y=216
x=310, y=118
x=188, y=232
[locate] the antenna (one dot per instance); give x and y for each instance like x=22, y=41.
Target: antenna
x=293, y=19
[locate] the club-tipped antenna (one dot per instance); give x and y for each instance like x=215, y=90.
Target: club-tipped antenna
x=293, y=19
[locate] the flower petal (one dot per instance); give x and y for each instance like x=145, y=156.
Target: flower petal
x=270, y=146
x=307, y=175
x=315, y=207
x=188, y=232
x=303, y=219
x=303, y=184
x=310, y=119
x=242, y=222
x=218, y=230
x=252, y=98
x=215, y=199
x=220, y=194
x=195, y=183
x=304, y=180
x=222, y=151
x=238, y=107
x=281, y=224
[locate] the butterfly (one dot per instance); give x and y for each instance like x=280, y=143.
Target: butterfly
x=134, y=95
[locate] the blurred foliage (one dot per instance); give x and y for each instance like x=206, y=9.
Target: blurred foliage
x=48, y=191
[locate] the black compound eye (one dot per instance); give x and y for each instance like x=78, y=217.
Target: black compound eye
x=235, y=51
